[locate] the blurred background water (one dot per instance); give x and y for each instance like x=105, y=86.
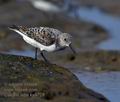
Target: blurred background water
x=94, y=25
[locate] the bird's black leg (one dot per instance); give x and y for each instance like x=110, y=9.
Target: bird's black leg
x=44, y=57
x=36, y=53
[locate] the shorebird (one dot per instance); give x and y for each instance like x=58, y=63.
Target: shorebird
x=44, y=38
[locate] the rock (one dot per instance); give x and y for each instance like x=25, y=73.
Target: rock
x=25, y=79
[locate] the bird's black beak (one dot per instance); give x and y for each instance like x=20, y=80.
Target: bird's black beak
x=73, y=50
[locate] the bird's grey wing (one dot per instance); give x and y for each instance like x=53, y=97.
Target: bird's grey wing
x=42, y=35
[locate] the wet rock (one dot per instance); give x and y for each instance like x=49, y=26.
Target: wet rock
x=40, y=82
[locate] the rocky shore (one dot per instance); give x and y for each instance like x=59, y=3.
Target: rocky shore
x=25, y=79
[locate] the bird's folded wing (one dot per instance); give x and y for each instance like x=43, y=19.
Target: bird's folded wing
x=45, y=36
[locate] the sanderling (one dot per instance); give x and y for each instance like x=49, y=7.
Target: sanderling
x=44, y=38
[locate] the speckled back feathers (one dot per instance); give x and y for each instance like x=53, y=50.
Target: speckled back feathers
x=44, y=35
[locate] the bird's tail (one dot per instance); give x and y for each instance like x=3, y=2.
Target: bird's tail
x=13, y=27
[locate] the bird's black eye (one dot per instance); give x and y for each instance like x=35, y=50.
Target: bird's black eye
x=65, y=39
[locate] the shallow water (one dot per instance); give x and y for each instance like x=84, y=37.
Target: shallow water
x=28, y=53
x=108, y=22
x=108, y=84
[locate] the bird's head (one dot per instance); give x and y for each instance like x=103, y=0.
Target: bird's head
x=65, y=40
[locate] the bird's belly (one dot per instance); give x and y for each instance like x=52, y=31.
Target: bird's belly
x=38, y=45
x=30, y=41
